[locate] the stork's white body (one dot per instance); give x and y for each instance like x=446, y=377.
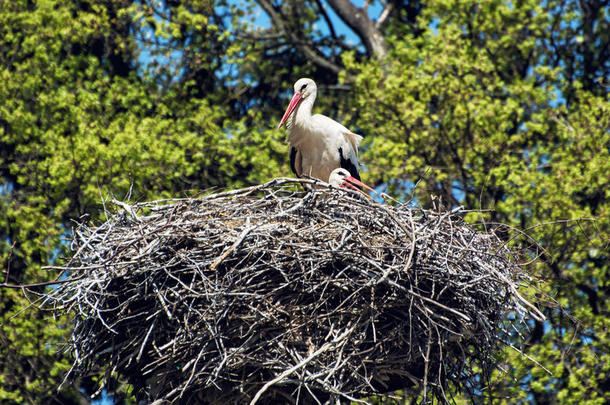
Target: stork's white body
x=318, y=144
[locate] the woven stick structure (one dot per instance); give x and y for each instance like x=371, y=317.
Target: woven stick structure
x=269, y=295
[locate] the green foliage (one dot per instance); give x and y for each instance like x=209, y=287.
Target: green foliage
x=79, y=124
x=572, y=179
x=470, y=109
x=498, y=105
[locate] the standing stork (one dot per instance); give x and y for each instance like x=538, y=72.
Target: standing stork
x=318, y=144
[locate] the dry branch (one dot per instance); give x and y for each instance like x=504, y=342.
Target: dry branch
x=272, y=295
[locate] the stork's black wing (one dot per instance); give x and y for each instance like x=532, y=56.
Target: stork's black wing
x=293, y=162
x=348, y=165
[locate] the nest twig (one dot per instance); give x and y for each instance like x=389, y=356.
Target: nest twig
x=271, y=295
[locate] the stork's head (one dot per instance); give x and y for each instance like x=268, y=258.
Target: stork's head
x=303, y=89
x=342, y=178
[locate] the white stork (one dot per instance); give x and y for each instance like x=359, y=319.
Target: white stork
x=318, y=144
x=340, y=177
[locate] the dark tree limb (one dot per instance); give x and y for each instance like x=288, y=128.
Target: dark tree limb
x=357, y=19
x=278, y=21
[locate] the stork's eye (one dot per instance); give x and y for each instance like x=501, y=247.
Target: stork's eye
x=303, y=87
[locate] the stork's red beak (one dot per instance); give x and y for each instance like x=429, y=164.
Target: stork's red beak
x=352, y=182
x=296, y=99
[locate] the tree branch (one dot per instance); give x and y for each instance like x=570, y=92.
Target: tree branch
x=384, y=15
x=358, y=20
x=278, y=21
x=329, y=23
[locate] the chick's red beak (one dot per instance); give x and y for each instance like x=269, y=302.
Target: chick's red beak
x=354, y=184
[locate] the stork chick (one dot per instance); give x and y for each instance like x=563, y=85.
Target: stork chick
x=342, y=178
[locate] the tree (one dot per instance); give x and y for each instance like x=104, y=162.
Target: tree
x=501, y=105
x=480, y=110
x=78, y=125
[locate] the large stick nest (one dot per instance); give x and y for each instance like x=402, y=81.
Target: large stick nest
x=273, y=295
